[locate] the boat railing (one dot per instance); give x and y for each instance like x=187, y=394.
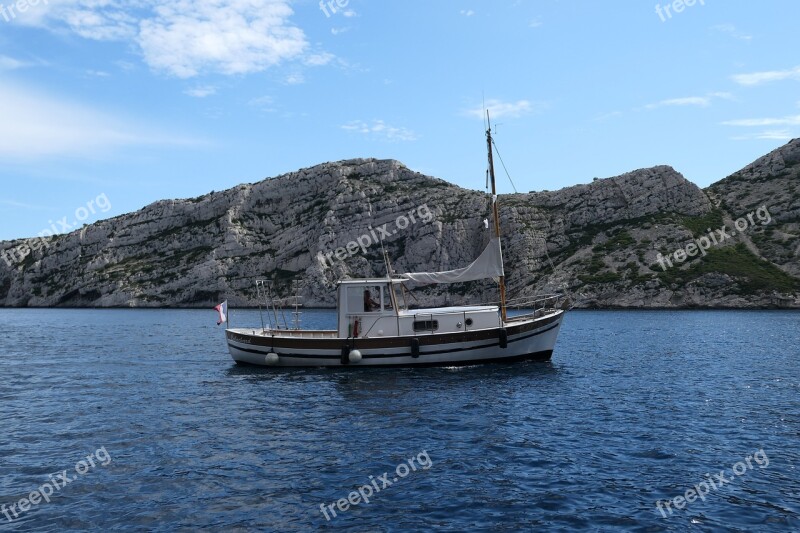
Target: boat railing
x=302, y=333
x=537, y=306
x=275, y=306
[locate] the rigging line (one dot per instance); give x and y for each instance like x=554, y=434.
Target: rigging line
x=564, y=285
x=547, y=254
x=504, y=165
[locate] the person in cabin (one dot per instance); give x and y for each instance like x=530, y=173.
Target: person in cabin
x=370, y=304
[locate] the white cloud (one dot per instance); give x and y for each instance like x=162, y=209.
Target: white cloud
x=467, y=12
x=699, y=101
x=781, y=132
x=777, y=135
x=9, y=63
x=606, y=116
x=295, y=79
x=37, y=125
x=185, y=38
x=732, y=31
x=100, y=24
x=498, y=108
x=338, y=31
x=125, y=65
x=702, y=101
x=722, y=95
x=760, y=122
x=318, y=60
x=201, y=91
x=535, y=23
x=758, y=78
x=22, y=205
x=770, y=135
x=263, y=103
x=188, y=37
x=380, y=129
x=350, y=13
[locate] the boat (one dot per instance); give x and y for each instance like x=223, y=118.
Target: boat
x=377, y=328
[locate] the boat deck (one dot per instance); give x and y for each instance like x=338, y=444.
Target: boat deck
x=294, y=333
x=448, y=310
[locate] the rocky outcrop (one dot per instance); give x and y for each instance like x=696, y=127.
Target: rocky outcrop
x=599, y=241
x=773, y=181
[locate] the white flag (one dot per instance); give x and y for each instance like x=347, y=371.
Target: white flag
x=222, y=309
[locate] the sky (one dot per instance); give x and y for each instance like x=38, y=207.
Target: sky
x=107, y=106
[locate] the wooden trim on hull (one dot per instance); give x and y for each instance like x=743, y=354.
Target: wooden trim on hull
x=538, y=356
x=529, y=340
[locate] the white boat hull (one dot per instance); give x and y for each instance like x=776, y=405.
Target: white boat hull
x=528, y=339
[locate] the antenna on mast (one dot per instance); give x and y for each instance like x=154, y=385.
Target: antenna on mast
x=483, y=100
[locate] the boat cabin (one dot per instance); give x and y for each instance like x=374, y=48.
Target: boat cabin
x=369, y=308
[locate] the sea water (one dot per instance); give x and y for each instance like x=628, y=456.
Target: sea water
x=156, y=429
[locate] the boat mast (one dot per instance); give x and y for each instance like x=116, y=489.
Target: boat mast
x=495, y=212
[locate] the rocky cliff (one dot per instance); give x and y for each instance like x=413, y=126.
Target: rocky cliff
x=625, y=241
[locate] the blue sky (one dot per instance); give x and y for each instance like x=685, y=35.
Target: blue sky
x=144, y=100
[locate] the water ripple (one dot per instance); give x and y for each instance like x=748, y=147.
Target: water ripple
x=635, y=407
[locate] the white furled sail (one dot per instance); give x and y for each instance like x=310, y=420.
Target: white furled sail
x=488, y=265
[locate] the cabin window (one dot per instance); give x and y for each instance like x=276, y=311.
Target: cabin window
x=426, y=325
x=372, y=299
x=368, y=299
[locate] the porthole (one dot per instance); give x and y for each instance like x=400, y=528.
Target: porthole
x=426, y=325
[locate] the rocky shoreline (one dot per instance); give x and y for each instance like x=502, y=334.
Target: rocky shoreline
x=604, y=242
